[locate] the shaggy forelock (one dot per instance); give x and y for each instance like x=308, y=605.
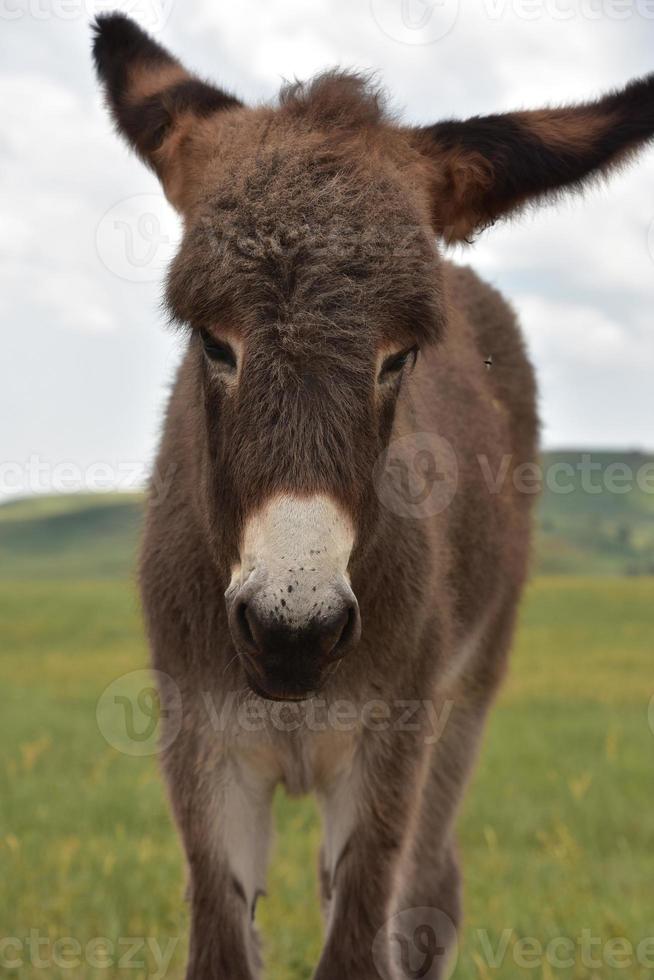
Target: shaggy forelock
x=336, y=100
x=302, y=232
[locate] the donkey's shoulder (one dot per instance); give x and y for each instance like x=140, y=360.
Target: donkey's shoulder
x=491, y=325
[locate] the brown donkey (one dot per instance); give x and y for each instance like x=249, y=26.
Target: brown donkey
x=337, y=366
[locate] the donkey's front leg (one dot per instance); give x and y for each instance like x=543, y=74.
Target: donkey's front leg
x=223, y=810
x=368, y=812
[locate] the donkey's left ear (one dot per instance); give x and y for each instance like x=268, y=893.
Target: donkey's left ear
x=488, y=167
x=154, y=101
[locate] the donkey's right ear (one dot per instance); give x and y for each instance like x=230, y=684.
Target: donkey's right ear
x=154, y=101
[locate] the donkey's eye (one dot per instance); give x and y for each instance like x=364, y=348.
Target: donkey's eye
x=394, y=364
x=218, y=351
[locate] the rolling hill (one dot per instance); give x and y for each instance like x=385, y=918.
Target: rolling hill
x=73, y=536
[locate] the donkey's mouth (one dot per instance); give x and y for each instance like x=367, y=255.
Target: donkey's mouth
x=273, y=689
x=278, y=695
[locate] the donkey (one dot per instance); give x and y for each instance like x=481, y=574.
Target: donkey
x=328, y=538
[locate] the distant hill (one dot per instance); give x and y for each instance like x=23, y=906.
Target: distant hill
x=593, y=518
x=596, y=513
x=71, y=536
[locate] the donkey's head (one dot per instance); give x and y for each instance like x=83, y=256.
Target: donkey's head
x=309, y=279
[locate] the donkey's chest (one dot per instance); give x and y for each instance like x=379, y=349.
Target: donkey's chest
x=303, y=761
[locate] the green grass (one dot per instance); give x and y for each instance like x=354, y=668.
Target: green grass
x=557, y=831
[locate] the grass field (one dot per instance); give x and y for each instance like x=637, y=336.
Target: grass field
x=557, y=832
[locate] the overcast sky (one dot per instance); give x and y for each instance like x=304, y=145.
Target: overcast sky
x=86, y=363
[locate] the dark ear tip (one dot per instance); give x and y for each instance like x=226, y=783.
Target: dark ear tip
x=110, y=32
x=117, y=38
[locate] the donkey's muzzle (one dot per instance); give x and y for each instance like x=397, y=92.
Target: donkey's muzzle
x=288, y=658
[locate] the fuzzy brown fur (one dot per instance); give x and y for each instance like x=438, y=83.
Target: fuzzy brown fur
x=309, y=237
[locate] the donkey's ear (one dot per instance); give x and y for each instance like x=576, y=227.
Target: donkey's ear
x=488, y=167
x=154, y=101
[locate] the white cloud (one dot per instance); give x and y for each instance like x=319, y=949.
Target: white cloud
x=593, y=372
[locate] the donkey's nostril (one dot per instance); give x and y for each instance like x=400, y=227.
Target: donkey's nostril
x=352, y=629
x=345, y=633
x=243, y=626
x=254, y=629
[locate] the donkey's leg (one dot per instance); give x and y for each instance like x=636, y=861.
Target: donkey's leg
x=223, y=810
x=428, y=905
x=424, y=927
x=368, y=814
